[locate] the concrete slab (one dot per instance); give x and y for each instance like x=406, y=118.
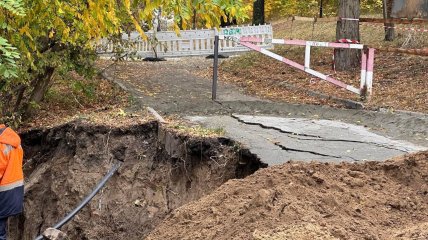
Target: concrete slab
x=277, y=140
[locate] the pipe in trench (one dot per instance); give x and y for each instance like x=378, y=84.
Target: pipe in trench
x=88, y=198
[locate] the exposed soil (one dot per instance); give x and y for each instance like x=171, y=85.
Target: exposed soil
x=176, y=186
x=312, y=201
x=161, y=171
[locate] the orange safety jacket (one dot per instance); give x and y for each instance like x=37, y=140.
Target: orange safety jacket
x=11, y=174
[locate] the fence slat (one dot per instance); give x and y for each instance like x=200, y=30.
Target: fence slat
x=191, y=42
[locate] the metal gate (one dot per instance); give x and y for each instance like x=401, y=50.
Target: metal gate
x=367, y=59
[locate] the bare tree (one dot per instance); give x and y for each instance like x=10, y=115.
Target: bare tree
x=389, y=27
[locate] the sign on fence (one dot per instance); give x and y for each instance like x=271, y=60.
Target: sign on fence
x=188, y=43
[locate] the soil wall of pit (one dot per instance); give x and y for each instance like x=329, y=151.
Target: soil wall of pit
x=161, y=171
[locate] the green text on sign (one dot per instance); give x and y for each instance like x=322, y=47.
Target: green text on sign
x=231, y=31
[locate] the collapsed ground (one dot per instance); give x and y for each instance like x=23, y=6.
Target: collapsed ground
x=293, y=201
x=312, y=201
x=161, y=171
x=175, y=186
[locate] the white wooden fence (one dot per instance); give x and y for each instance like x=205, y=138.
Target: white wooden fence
x=188, y=43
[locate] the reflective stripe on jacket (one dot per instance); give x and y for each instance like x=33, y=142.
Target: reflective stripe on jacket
x=11, y=174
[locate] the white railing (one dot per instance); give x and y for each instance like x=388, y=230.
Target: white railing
x=188, y=43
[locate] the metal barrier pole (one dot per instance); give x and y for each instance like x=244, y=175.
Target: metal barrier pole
x=370, y=67
x=215, y=67
x=363, y=83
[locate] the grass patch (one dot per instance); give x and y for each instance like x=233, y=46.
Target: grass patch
x=75, y=97
x=198, y=130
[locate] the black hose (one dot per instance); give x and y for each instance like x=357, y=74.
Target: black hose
x=87, y=199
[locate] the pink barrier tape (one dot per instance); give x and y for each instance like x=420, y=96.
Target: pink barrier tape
x=293, y=42
x=293, y=64
x=251, y=46
x=364, y=20
x=339, y=45
x=252, y=39
x=337, y=82
x=346, y=40
x=344, y=43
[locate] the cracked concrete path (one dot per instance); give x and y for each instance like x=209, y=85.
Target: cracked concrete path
x=176, y=87
x=277, y=140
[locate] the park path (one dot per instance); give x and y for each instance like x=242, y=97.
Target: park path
x=177, y=87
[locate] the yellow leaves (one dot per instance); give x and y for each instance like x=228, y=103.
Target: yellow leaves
x=208, y=21
x=184, y=24
x=65, y=33
x=223, y=16
x=232, y=11
x=176, y=29
x=139, y=29
x=29, y=57
x=112, y=17
x=26, y=30
x=51, y=33
x=127, y=4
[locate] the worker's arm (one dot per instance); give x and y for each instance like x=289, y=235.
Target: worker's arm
x=4, y=159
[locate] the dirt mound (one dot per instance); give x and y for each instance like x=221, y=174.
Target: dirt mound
x=312, y=201
x=161, y=171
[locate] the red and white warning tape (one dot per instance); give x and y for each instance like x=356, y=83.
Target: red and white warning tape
x=343, y=40
x=343, y=43
x=399, y=28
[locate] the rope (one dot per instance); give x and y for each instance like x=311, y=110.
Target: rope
x=349, y=19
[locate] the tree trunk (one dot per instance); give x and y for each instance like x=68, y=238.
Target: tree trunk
x=259, y=12
x=194, y=19
x=159, y=19
x=40, y=88
x=389, y=27
x=348, y=29
x=321, y=5
x=19, y=96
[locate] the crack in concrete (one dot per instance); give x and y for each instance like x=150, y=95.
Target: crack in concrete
x=352, y=141
x=274, y=128
x=314, y=137
x=304, y=151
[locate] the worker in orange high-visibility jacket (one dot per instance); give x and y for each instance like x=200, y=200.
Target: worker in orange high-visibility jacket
x=11, y=177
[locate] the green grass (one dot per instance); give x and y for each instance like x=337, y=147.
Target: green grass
x=198, y=130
